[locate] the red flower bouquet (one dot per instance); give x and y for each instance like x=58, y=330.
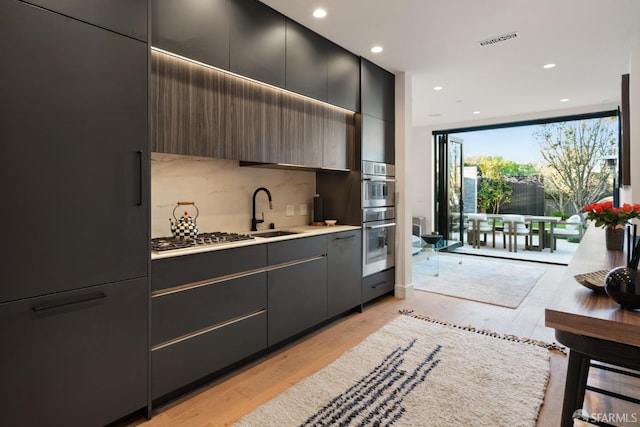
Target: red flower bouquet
x=605, y=215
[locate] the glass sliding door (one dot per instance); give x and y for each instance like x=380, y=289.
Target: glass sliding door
x=449, y=188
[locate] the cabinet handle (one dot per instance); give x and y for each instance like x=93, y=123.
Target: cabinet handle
x=345, y=237
x=377, y=285
x=85, y=298
x=141, y=173
x=386, y=225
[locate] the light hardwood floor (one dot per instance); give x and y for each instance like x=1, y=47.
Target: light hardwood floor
x=225, y=400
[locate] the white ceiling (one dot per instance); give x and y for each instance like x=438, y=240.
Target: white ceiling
x=436, y=43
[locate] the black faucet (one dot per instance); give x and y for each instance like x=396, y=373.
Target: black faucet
x=254, y=221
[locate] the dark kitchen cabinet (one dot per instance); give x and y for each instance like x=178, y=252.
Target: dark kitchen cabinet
x=297, y=298
x=127, y=17
x=378, y=91
x=208, y=312
x=378, y=284
x=306, y=62
x=76, y=358
x=167, y=273
x=181, y=313
x=257, y=42
x=194, y=29
x=343, y=78
x=74, y=160
x=378, y=140
x=378, y=113
x=186, y=362
x=297, y=293
x=344, y=271
x=74, y=172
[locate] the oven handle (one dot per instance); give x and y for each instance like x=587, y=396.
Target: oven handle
x=373, y=227
x=379, y=179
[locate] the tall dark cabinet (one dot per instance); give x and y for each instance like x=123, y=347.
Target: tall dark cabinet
x=74, y=174
x=378, y=113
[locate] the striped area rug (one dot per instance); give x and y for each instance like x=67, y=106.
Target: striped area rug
x=414, y=372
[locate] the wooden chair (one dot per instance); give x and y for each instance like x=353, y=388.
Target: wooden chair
x=478, y=224
x=514, y=226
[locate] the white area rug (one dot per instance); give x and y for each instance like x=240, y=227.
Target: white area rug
x=413, y=372
x=494, y=282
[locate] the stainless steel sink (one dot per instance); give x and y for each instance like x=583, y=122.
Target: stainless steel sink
x=274, y=233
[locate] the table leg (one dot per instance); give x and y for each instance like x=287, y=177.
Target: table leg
x=552, y=242
x=574, y=389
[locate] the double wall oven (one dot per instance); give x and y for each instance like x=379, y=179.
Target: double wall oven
x=378, y=216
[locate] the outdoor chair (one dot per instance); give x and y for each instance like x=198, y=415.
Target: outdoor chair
x=514, y=226
x=574, y=227
x=478, y=224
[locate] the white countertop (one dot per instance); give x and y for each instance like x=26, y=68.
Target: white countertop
x=302, y=231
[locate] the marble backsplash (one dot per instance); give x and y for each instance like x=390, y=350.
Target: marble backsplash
x=222, y=191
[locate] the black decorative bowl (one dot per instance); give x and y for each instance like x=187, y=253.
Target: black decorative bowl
x=432, y=239
x=621, y=284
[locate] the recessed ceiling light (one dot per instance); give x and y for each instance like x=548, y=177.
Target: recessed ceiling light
x=319, y=13
x=548, y=65
x=437, y=88
x=564, y=100
x=476, y=112
x=376, y=49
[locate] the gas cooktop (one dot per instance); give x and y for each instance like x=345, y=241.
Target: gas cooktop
x=217, y=237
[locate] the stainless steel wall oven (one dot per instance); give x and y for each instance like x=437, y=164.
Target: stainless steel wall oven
x=378, y=217
x=378, y=184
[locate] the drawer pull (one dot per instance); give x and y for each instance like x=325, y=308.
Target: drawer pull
x=377, y=285
x=85, y=298
x=345, y=237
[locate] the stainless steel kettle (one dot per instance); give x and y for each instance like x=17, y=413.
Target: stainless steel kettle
x=184, y=227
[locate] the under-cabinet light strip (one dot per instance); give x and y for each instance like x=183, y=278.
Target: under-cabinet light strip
x=211, y=67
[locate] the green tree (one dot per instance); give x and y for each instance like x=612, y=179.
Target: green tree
x=494, y=189
x=574, y=153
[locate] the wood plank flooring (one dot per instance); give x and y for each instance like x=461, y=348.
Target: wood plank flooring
x=225, y=400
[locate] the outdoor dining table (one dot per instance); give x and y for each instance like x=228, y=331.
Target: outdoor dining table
x=542, y=221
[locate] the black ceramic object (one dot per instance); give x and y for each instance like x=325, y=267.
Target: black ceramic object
x=431, y=239
x=621, y=284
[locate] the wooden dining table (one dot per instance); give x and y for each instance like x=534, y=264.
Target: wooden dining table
x=542, y=222
x=591, y=324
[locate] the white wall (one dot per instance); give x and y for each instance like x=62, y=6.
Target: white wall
x=628, y=195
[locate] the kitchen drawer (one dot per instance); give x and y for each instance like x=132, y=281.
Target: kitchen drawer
x=180, y=270
x=295, y=249
x=75, y=358
x=180, y=313
x=378, y=284
x=184, y=362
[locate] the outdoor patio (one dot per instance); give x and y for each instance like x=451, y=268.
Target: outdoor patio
x=561, y=255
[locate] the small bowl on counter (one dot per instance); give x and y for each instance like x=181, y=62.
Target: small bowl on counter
x=330, y=222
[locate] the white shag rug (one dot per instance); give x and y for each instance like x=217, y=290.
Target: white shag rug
x=412, y=372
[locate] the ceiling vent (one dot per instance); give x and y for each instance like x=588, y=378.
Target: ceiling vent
x=498, y=39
